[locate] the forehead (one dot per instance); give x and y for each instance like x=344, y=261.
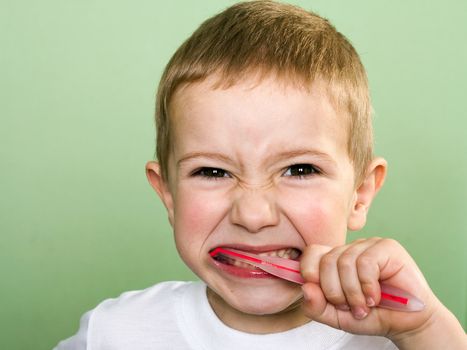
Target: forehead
x=255, y=112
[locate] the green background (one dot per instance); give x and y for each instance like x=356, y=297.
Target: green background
x=78, y=221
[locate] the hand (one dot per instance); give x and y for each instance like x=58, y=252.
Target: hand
x=342, y=288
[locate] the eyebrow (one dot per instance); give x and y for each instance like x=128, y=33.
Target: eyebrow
x=210, y=155
x=302, y=152
x=276, y=157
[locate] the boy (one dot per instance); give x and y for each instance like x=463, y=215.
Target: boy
x=264, y=144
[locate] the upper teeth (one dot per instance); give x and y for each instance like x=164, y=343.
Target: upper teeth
x=288, y=253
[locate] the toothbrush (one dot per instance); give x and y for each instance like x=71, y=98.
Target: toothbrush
x=391, y=297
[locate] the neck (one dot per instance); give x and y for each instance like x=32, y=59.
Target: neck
x=285, y=320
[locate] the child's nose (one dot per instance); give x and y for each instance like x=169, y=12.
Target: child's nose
x=254, y=210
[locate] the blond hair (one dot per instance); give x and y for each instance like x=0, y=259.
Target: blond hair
x=272, y=38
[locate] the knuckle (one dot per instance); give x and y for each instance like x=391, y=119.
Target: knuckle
x=353, y=293
x=327, y=261
x=359, y=240
x=313, y=249
x=368, y=288
x=309, y=274
x=364, y=261
x=346, y=262
x=334, y=296
x=390, y=242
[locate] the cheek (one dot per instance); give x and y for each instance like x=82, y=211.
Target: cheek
x=319, y=217
x=196, y=215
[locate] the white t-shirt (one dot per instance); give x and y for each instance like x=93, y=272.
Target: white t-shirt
x=177, y=315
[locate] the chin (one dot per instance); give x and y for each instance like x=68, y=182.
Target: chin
x=263, y=301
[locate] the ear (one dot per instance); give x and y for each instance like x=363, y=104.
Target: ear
x=154, y=175
x=365, y=192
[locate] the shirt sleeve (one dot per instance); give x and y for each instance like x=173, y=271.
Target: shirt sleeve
x=79, y=340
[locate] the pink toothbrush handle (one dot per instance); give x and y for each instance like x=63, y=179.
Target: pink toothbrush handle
x=391, y=297
x=397, y=299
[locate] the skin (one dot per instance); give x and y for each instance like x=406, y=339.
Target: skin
x=253, y=135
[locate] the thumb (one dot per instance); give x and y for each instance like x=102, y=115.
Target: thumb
x=316, y=307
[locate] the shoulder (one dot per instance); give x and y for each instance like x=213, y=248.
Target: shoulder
x=155, y=304
x=127, y=319
x=158, y=296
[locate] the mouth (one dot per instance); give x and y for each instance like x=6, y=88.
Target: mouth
x=241, y=268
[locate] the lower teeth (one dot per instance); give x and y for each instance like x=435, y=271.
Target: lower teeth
x=244, y=265
x=233, y=262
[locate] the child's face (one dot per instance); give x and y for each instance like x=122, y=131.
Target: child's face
x=259, y=168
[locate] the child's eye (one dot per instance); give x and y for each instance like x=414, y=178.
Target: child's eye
x=301, y=170
x=211, y=173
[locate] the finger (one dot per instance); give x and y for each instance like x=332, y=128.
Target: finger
x=349, y=278
x=368, y=274
x=329, y=278
x=309, y=261
x=316, y=307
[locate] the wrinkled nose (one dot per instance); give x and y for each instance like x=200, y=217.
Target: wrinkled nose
x=254, y=210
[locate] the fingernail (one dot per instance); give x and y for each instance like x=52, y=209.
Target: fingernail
x=343, y=307
x=359, y=313
x=370, y=302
